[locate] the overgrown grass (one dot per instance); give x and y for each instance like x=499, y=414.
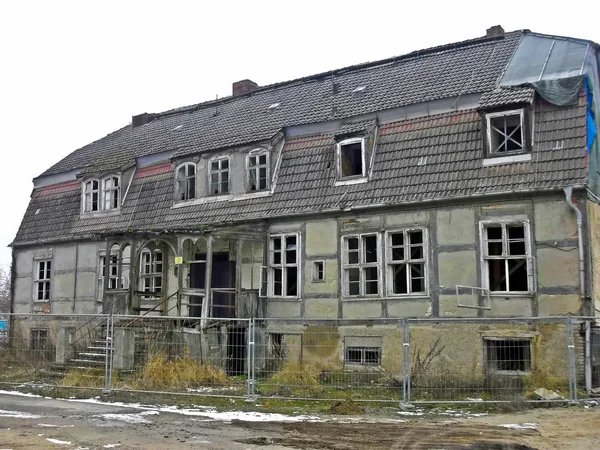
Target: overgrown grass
x=296, y=374
x=84, y=378
x=180, y=372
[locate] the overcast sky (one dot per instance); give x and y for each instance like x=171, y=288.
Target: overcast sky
x=72, y=72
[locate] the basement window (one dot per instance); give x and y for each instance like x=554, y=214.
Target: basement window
x=363, y=356
x=318, y=272
x=508, y=356
x=219, y=175
x=507, y=261
x=505, y=133
x=361, y=265
x=407, y=262
x=351, y=159
x=38, y=339
x=185, y=180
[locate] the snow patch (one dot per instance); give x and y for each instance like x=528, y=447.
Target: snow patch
x=49, y=425
x=130, y=418
x=58, y=442
x=525, y=426
x=20, y=394
x=111, y=445
x=18, y=415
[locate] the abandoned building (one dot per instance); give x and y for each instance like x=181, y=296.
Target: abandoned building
x=456, y=181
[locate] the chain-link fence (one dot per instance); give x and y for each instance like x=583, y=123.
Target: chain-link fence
x=383, y=360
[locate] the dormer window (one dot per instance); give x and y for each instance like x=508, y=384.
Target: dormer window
x=110, y=193
x=91, y=196
x=186, y=181
x=219, y=175
x=505, y=133
x=258, y=170
x=351, y=164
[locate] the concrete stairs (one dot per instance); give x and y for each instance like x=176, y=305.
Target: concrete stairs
x=94, y=356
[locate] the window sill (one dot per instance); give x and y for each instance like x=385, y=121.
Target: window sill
x=389, y=297
x=499, y=160
x=509, y=372
x=496, y=294
x=221, y=198
x=351, y=181
x=284, y=299
x=41, y=302
x=95, y=214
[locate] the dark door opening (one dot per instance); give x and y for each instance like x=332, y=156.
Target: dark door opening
x=236, y=351
x=223, y=276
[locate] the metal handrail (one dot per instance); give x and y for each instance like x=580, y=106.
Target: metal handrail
x=104, y=310
x=153, y=309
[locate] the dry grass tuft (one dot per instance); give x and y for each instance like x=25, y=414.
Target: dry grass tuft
x=180, y=372
x=346, y=408
x=296, y=374
x=84, y=378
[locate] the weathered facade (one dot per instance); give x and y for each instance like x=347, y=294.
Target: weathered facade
x=443, y=183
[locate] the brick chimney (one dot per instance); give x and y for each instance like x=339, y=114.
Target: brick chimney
x=243, y=87
x=494, y=31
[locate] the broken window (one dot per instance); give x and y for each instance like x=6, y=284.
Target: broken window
x=351, y=158
x=284, y=265
x=119, y=262
x=43, y=277
x=258, y=170
x=151, y=271
x=505, y=132
x=406, y=262
x=110, y=192
x=219, y=176
x=507, y=355
x=364, y=356
x=186, y=181
x=91, y=196
x=101, y=271
x=318, y=272
x=38, y=342
x=361, y=265
x=507, y=257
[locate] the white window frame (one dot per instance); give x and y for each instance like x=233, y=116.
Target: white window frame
x=341, y=180
x=513, y=112
x=390, y=263
x=186, y=181
x=363, y=361
x=361, y=265
x=45, y=281
x=257, y=153
x=315, y=271
x=110, y=193
x=87, y=196
x=101, y=272
x=219, y=159
x=284, y=266
x=117, y=281
x=485, y=258
x=153, y=274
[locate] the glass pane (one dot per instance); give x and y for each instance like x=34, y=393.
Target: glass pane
x=351, y=160
x=41, y=270
x=399, y=277
x=353, y=257
x=497, y=275
x=278, y=278
x=290, y=256
x=371, y=273
x=517, y=274
x=262, y=159
x=252, y=161
x=252, y=180
x=352, y=243
x=495, y=248
x=215, y=165
x=397, y=239
x=371, y=288
x=398, y=254
x=224, y=177
x=417, y=277
x=370, y=248
x=292, y=281
x=416, y=252
x=191, y=188
x=565, y=60
x=277, y=258
x=516, y=248
x=290, y=242
x=528, y=61
x=494, y=232
x=225, y=164
x=191, y=170
x=416, y=237
x=516, y=232
x=224, y=187
x=276, y=243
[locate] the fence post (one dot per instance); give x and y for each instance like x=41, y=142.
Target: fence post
x=109, y=355
x=250, y=361
x=571, y=362
x=405, y=362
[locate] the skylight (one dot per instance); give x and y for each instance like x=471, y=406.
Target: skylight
x=273, y=106
x=177, y=128
x=360, y=88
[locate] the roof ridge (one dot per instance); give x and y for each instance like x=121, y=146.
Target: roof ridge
x=339, y=71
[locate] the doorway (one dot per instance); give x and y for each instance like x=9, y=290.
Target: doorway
x=223, y=276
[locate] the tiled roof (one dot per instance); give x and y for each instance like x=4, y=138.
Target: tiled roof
x=507, y=96
x=447, y=71
x=437, y=157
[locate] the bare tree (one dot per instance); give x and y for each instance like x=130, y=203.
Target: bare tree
x=4, y=289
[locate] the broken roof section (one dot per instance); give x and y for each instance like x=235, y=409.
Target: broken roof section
x=540, y=57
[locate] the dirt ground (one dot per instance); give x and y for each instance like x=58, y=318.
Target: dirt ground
x=41, y=423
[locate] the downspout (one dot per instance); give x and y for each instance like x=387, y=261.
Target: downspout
x=76, y=275
x=588, y=361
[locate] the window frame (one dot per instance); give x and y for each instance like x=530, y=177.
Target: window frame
x=35, y=335
x=101, y=278
x=523, y=118
x=186, y=179
x=112, y=192
x=315, y=271
x=285, y=266
x=352, y=178
x=46, y=281
x=529, y=259
x=489, y=370
x=219, y=159
x=257, y=153
x=390, y=263
x=363, y=360
x=85, y=193
x=361, y=266
x=116, y=261
x=153, y=275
